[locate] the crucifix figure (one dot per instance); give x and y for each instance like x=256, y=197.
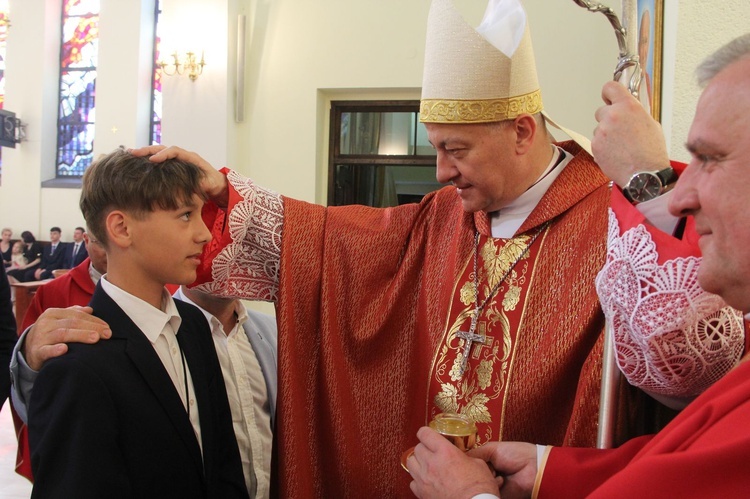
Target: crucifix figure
x=469, y=337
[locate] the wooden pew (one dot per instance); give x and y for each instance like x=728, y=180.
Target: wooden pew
x=24, y=293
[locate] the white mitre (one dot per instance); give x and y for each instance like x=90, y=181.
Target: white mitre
x=478, y=75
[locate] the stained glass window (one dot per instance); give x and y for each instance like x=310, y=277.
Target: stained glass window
x=156, y=102
x=78, y=59
x=4, y=23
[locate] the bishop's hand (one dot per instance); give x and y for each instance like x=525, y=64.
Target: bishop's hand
x=514, y=463
x=214, y=183
x=440, y=470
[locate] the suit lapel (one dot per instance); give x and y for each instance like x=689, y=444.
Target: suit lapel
x=199, y=373
x=146, y=360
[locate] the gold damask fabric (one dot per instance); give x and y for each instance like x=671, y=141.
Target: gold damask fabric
x=366, y=297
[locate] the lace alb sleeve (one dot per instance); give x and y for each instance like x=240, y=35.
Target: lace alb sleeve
x=671, y=337
x=248, y=266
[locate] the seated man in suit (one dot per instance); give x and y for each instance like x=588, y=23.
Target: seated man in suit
x=52, y=258
x=144, y=414
x=77, y=251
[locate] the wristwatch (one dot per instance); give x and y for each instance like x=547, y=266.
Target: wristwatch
x=645, y=186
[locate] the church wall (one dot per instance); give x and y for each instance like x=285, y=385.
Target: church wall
x=702, y=27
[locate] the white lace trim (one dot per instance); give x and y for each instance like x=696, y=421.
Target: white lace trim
x=671, y=337
x=248, y=268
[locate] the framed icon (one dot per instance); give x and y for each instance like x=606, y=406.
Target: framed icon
x=650, y=46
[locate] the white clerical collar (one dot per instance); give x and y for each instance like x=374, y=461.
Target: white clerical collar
x=150, y=320
x=509, y=219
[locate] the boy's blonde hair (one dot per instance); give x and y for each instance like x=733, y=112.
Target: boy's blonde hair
x=121, y=181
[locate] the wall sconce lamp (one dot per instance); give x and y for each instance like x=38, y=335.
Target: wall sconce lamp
x=189, y=65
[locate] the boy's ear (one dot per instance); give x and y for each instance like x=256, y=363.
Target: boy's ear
x=118, y=229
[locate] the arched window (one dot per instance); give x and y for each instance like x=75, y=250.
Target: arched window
x=76, y=112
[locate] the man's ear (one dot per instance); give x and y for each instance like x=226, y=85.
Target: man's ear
x=525, y=127
x=117, y=225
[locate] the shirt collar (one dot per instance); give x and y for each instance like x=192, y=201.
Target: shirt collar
x=94, y=274
x=239, y=310
x=150, y=320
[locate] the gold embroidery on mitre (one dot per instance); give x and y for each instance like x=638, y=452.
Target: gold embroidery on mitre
x=479, y=111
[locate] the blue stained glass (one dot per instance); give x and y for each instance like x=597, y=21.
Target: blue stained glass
x=77, y=94
x=77, y=152
x=79, y=54
x=156, y=101
x=156, y=133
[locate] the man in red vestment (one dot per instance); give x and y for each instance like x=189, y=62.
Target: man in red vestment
x=477, y=300
x=705, y=450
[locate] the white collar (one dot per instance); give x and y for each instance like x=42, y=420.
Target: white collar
x=239, y=310
x=150, y=320
x=506, y=221
x=94, y=274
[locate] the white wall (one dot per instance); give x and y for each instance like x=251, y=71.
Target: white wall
x=702, y=27
x=300, y=55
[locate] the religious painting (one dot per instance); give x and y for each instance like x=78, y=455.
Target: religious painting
x=650, y=33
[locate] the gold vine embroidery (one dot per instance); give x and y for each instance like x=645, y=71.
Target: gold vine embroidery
x=485, y=378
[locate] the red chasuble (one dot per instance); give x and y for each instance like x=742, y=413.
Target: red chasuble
x=369, y=302
x=704, y=452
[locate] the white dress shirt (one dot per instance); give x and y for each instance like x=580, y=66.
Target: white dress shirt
x=247, y=393
x=160, y=328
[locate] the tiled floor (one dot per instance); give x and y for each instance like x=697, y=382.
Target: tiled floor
x=12, y=485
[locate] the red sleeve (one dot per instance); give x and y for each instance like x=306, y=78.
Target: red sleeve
x=35, y=309
x=572, y=472
x=215, y=219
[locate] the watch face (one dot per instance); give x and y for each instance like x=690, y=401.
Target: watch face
x=644, y=187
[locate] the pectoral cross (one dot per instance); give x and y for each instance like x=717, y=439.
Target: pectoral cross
x=469, y=338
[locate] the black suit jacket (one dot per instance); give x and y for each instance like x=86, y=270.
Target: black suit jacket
x=105, y=420
x=69, y=261
x=50, y=261
x=8, y=335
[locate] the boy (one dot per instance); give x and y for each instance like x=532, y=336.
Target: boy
x=146, y=413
